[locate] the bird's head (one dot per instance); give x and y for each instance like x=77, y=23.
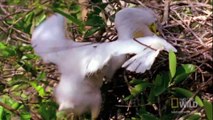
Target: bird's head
x=134, y=22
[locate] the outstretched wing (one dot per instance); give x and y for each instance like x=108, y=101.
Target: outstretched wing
x=146, y=49
x=141, y=62
x=49, y=34
x=128, y=21
x=49, y=42
x=144, y=59
x=49, y=38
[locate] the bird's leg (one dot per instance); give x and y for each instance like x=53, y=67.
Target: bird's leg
x=96, y=105
x=95, y=111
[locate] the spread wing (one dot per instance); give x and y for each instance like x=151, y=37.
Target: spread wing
x=49, y=42
x=150, y=47
x=146, y=49
x=48, y=37
x=128, y=21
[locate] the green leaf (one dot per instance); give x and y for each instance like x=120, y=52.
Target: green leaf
x=1, y=112
x=179, y=78
x=25, y=48
x=28, y=57
x=152, y=97
x=70, y=17
x=25, y=116
x=183, y=72
x=100, y=7
x=28, y=22
x=148, y=116
x=195, y=116
x=39, y=89
x=158, y=85
x=60, y=115
x=137, y=81
x=91, y=31
x=208, y=109
x=75, y=8
x=172, y=63
x=161, y=83
x=167, y=116
x=189, y=68
x=95, y=20
x=139, y=88
x=188, y=94
x=15, y=105
x=7, y=51
x=130, y=97
x=27, y=66
x=39, y=19
x=41, y=76
x=2, y=46
x=47, y=110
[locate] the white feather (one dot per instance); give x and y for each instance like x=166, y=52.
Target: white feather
x=130, y=20
x=76, y=95
x=84, y=65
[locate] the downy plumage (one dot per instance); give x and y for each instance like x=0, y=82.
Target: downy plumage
x=83, y=65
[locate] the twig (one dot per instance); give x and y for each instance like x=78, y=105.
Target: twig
x=166, y=11
x=190, y=99
x=9, y=108
x=144, y=44
x=186, y=27
x=195, y=4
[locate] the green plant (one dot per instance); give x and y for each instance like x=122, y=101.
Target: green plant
x=166, y=85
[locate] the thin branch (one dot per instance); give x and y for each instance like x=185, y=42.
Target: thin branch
x=190, y=99
x=166, y=11
x=144, y=44
x=9, y=108
x=186, y=27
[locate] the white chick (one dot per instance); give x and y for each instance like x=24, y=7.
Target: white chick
x=84, y=65
x=78, y=96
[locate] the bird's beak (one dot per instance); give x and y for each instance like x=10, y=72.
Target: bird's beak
x=153, y=27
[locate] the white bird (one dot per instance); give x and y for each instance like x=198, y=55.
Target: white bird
x=83, y=65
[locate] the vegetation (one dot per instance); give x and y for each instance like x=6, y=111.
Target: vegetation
x=179, y=86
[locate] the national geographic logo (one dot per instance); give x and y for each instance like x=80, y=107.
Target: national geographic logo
x=183, y=102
